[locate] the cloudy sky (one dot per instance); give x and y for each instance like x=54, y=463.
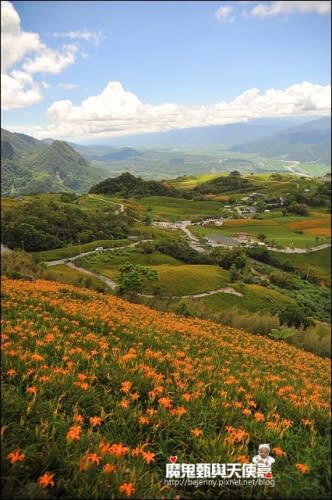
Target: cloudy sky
x=84, y=70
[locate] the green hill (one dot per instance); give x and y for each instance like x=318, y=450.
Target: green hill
x=32, y=166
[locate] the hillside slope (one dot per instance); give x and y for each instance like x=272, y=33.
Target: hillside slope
x=32, y=166
x=98, y=393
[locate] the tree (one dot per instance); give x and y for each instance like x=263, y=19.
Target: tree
x=295, y=316
x=261, y=237
x=133, y=278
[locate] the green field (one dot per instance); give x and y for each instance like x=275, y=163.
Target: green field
x=173, y=209
x=175, y=278
x=276, y=228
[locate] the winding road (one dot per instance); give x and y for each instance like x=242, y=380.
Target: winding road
x=112, y=284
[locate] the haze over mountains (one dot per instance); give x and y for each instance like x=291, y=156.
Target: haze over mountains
x=29, y=165
x=310, y=141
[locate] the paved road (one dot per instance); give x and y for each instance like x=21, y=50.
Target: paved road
x=110, y=283
x=75, y=257
x=299, y=250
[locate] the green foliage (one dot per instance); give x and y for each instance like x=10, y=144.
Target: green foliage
x=298, y=209
x=224, y=184
x=264, y=255
x=132, y=277
x=183, y=309
x=128, y=185
x=283, y=280
x=40, y=225
x=295, y=316
x=282, y=333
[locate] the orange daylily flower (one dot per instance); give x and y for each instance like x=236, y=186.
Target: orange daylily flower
x=127, y=489
x=279, y=452
x=16, y=456
x=196, y=432
x=108, y=468
x=46, y=480
x=303, y=468
x=94, y=421
x=74, y=433
x=148, y=456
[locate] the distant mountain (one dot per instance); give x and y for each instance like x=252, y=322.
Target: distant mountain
x=216, y=135
x=30, y=166
x=308, y=142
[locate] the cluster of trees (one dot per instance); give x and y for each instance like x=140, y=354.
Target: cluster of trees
x=40, y=225
x=128, y=185
x=263, y=255
x=232, y=182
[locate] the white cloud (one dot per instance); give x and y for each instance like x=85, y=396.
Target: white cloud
x=224, y=13
x=68, y=86
x=23, y=54
x=116, y=112
x=51, y=61
x=290, y=7
x=89, y=36
x=18, y=90
x=15, y=44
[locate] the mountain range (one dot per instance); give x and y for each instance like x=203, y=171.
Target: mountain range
x=309, y=142
x=29, y=165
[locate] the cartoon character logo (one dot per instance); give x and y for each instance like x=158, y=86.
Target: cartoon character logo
x=264, y=461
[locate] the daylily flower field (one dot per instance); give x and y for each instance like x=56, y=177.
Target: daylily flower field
x=99, y=393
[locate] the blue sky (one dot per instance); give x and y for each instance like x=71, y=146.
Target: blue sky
x=176, y=64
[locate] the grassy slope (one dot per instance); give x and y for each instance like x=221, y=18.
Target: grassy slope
x=237, y=389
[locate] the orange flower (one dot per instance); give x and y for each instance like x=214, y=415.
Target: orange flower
x=165, y=402
x=137, y=451
x=259, y=416
x=126, y=386
x=148, y=456
x=94, y=458
x=246, y=411
x=303, y=468
x=134, y=396
x=11, y=372
x=16, y=456
x=46, y=480
x=118, y=450
x=79, y=419
x=243, y=459
x=124, y=403
x=94, y=421
x=279, y=452
x=127, y=489
x=143, y=420
x=74, y=433
x=32, y=390
x=108, y=468
x=306, y=422
x=197, y=432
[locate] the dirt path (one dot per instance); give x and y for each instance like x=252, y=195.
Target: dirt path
x=121, y=205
